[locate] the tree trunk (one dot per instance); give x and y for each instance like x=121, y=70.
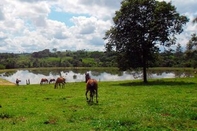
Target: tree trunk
x=144, y=74
x=144, y=65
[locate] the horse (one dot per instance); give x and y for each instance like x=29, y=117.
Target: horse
x=92, y=86
x=43, y=80
x=59, y=81
x=28, y=81
x=17, y=81
x=51, y=80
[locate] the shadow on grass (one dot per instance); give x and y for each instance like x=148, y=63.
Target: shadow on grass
x=156, y=82
x=92, y=103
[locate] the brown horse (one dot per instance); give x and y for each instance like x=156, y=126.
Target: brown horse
x=51, y=80
x=92, y=86
x=43, y=80
x=59, y=81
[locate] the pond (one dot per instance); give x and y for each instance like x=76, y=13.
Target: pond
x=78, y=75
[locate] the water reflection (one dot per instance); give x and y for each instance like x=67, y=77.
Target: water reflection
x=78, y=75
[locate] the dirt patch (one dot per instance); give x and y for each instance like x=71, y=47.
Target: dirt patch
x=5, y=82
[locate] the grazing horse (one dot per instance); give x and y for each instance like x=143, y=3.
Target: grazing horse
x=17, y=81
x=92, y=86
x=51, y=80
x=43, y=80
x=59, y=81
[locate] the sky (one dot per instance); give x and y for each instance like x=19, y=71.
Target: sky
x=28, y=26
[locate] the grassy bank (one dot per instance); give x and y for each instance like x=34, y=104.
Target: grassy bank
x=100, y=68
x=61, y=68
x=5, y=82
x=168, y=104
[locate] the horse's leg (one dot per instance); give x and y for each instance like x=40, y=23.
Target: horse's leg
x=86, y=94
x=96, y=95
x=63, y=84
x=55, y=85
x=91, y=95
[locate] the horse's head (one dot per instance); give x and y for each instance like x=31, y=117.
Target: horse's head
x=87, y=77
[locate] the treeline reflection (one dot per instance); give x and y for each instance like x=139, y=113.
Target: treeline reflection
x=77, y=75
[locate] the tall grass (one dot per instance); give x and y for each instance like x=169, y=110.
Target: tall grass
x=168, y=104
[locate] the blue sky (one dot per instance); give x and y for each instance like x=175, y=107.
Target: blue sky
x=34, y=25
x=64, y=17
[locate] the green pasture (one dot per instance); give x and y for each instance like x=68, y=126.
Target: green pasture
x=165, y=104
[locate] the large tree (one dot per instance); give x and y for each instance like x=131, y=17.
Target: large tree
x=139, y=27
x=191, y=51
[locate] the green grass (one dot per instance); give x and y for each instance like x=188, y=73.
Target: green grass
x=88, y=60
x=167, y=104
x=56, y=58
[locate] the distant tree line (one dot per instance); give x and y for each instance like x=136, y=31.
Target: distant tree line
x=81, y=58
x=47, y=58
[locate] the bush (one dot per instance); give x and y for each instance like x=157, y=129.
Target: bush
x=2, y=66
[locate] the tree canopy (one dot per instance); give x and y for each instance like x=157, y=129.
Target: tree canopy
x=139, y=27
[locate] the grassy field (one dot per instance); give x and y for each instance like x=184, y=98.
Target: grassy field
x=167, y=104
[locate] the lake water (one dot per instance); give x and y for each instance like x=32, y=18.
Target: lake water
x=79, y=75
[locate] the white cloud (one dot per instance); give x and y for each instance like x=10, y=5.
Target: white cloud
x=26, y=27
